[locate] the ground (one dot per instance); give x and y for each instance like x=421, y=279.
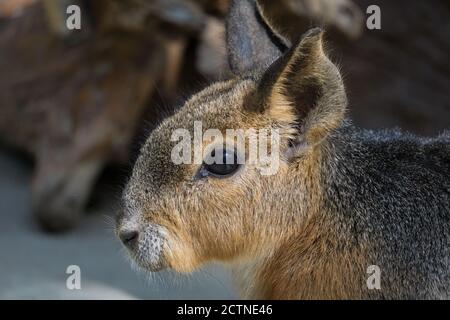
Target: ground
x=33, y=264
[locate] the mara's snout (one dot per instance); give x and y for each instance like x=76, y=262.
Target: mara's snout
x=144, y=243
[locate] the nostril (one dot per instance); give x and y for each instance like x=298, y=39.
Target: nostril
x=128, y=237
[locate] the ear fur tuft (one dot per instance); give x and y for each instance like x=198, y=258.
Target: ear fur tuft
x=303, y=89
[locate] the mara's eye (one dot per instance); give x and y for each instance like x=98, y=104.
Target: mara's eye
x=222, y=164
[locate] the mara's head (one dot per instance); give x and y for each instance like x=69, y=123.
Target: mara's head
x=192, y=200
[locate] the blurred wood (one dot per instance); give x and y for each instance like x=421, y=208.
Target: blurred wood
x=212, y=59
x=177, y=16
x=400, y=75
x=10, y=8
x=56, y=16
x=396, y=76
x=292, y=18
x=75, y=106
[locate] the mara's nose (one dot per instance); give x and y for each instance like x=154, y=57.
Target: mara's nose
x=129, y=237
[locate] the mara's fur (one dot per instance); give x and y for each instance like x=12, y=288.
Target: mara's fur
x=343, y=199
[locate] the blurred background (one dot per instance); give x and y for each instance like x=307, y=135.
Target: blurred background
x=75, y=105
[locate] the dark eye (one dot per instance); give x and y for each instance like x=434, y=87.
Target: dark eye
x=224, y=167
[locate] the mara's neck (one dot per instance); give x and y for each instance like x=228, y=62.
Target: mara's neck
x=314, y=257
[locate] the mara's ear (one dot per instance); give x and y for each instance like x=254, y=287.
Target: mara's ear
x=252, y=44
x=303, y=91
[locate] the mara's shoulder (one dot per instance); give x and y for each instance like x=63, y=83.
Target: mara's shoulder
x=392, y=145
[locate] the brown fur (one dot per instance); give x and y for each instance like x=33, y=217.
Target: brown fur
x=311, y=229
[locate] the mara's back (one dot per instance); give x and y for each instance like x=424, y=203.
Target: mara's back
x=392, y=192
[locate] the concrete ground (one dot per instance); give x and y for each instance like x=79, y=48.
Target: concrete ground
x=33, y=264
